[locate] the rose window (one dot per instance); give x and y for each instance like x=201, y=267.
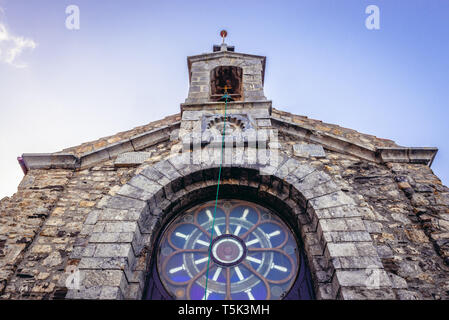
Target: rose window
x=253, y=254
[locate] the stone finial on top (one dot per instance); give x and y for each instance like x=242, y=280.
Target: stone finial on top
x=223, y=46
x=223, y=34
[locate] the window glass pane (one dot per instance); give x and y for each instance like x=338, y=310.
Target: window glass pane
x=254, y=255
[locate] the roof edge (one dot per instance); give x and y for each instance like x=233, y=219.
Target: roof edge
x=417, y=155
x=70, y=161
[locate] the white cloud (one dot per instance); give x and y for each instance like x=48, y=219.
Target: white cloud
x=12, y=46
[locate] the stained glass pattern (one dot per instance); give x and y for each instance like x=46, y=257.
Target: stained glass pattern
x=254, y=255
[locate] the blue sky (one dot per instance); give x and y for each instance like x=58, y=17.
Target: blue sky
x=126, y=66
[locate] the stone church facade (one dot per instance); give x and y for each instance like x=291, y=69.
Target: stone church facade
x=306, y=209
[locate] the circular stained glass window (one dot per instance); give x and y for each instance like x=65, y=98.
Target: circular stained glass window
x=253, y=254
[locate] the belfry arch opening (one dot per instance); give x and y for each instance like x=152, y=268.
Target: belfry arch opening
x=226, y=79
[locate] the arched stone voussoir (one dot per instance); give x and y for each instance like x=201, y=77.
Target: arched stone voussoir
x=306, y=182
x=140, y=181
x=131, y=191
x=167, y=169
x=344, y=211
x=314, y=185
x=286, y=166
x=156, y=182
x=126, y=203
x=334, y=199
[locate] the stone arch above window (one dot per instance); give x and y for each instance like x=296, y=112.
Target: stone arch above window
x=340, y=252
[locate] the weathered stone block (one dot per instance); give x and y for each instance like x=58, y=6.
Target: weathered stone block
x=148, y=139
x=92, y=217
x=366, y=294
x=91, y=293
x=108, y=214
x=371, y=278
x=341, y=250
x=53, y=259
x=336, y=212
x=191, y=115
x=142, y=182
x=130, y=191
x=311, y=191
x=104, y=237
x=263, y=123
x=121, y=202
x=324, y=292
x=355, y=224
x=338, y=224
x=119, y=148
x=121, y=226
x=111, y=293
x=130, y=159
x=338, y=198
x=346, y=236
x=89, y=250
x=409, y=295
x=373, y=227
x=102, y=278
x=302, y=171
x=94, y=157
x=309, y=150
x=366, y=249
x=135, y=291
x=289, y=166
x=103, y=263
x=397, y=282
x=357, y=263
x=113, y=250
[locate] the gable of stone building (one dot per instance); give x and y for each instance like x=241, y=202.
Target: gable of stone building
x=371, y=215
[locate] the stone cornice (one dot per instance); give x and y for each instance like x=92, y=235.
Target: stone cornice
x=70, y=161
x=331, y=142
x=220, y=54
x=50, y=161
x=213, y=106
x=408, y=155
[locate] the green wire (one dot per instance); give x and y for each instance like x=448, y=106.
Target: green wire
x=216, y=197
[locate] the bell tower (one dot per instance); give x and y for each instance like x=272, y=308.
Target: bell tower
x=209, y=73
x=239, y=75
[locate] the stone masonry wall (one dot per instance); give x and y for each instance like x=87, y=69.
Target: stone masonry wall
x=407, y=218
x=40, y=226
x=22, y=217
